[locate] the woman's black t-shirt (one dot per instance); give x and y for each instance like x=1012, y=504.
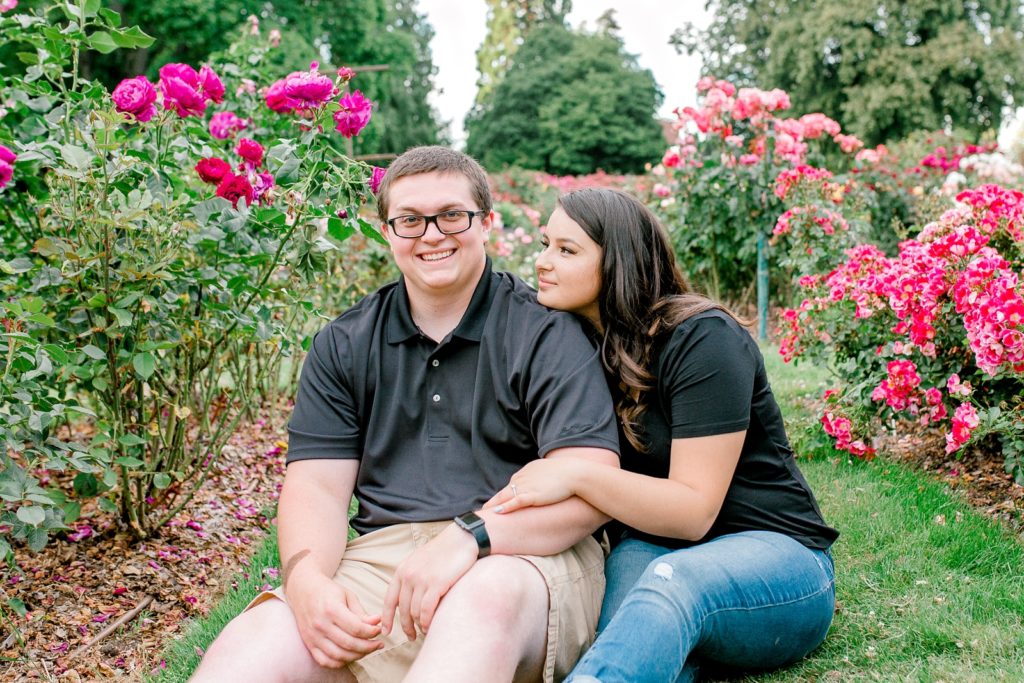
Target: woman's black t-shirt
x=711, y=380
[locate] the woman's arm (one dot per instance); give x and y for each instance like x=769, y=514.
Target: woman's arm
x=684, y=505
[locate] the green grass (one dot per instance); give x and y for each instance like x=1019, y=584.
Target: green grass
x=928, y=589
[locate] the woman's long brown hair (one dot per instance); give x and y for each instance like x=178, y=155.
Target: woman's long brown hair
x=643, y=293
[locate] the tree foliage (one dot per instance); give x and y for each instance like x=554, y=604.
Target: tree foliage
x=508, y=23
x=570, y=103
x=884, y=68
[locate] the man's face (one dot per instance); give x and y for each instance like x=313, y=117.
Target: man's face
x=435, y=263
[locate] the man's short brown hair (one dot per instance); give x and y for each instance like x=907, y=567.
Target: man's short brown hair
x=435, y=159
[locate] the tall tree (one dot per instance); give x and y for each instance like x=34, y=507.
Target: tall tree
x=883, y=68
x=570, y=103
x=508, y=24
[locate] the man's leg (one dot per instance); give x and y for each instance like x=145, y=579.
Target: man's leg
x=263, y=644
x=491, y=626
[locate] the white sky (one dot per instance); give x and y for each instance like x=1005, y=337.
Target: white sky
x=646, y=25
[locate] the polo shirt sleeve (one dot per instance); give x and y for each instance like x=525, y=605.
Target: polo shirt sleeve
x=566, y=393
x=706, y=377
x=325, y=422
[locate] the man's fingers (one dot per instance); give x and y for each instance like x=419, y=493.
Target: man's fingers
x=387, y=614
x=428, y=607
x=404, y=615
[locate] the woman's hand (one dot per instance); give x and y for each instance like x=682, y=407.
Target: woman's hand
x=540, y=482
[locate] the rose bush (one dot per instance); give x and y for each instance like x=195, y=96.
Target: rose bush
x=157, y=270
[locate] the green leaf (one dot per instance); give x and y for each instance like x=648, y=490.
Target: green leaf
x=37, y=539
x=161, y=480
x=76, y=156
x=371, y=232
x=132, y=37
x=72, y=511
x=17, y=605
x=107, y=505
x=33, y=515
x=92, y=7
x=41, y=319
x=93, y=352
x=129, y=462
x=132, y=440
x=56, y=353
x=86, y=485
x=124, y=318
x=110, y=16
x=97, y=300
x=144, y=364
x=102, y=42
x=110, y=478
x=338, y=229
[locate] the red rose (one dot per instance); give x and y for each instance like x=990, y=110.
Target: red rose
x=234, y=187
x=212, y=169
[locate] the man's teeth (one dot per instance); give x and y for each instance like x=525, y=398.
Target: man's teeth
x=438, y=256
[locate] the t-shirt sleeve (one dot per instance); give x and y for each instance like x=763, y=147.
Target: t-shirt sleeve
x=325, y=422
x=706, y=377
x=567, y=395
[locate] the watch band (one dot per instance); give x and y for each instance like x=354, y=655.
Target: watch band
x=472, y=523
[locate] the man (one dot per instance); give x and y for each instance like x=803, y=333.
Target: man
x=424, y=399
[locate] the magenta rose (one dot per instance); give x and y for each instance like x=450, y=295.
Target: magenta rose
x=261, y=185
x=135, y=96
x=234, y=187
x=353, y=115
x=251, y=151
x=308, y=89
x=376, y=178
x=7, y=158
x=278, y=100
x=212, y=169
x=6, y=173
x=212, y=86
x=224, y=124
x=180, y=85
x=8, y=5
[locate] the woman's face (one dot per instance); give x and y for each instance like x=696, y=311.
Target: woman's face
x=569, y=268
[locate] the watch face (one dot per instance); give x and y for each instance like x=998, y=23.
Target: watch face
x=470, y=520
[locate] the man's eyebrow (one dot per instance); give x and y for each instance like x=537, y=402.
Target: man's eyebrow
x=441, y=209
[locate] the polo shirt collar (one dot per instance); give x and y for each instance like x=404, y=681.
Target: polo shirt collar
x=400, y=325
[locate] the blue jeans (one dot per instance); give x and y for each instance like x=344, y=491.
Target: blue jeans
x=750, y=600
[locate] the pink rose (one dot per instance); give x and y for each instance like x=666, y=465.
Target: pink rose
x=8, y=5
x=309, y=89
x=261, y=186
x=135, y=96
x=376, y=178
x=212, y=169
x=212, y=86
x=278, y=100
x=251, y=151
x=234, y=187
x=7, y=158
x=346, y=74
x=224, y=124
x=353, y=115
x=180, y=85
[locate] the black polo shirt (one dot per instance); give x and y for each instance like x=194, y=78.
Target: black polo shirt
x=440, y=427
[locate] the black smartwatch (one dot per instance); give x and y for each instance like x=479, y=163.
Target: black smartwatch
x=474, y=525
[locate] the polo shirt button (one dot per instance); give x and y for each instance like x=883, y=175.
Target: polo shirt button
x=437, y=397
x=435, y=362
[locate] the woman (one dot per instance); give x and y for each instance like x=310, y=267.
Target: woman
x=724, y=555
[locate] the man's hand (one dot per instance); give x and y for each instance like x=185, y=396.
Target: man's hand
x=425, y=577
x=332, y=623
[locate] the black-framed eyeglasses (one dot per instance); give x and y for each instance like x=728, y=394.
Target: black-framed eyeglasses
x=448, y=222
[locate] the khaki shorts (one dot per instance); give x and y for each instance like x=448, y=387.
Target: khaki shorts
x=575, y=581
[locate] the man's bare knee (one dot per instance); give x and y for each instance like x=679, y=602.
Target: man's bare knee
x=501, y=590
x=263, y=644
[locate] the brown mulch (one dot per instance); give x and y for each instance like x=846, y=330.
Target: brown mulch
x=75, y=590
x=85, y=581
